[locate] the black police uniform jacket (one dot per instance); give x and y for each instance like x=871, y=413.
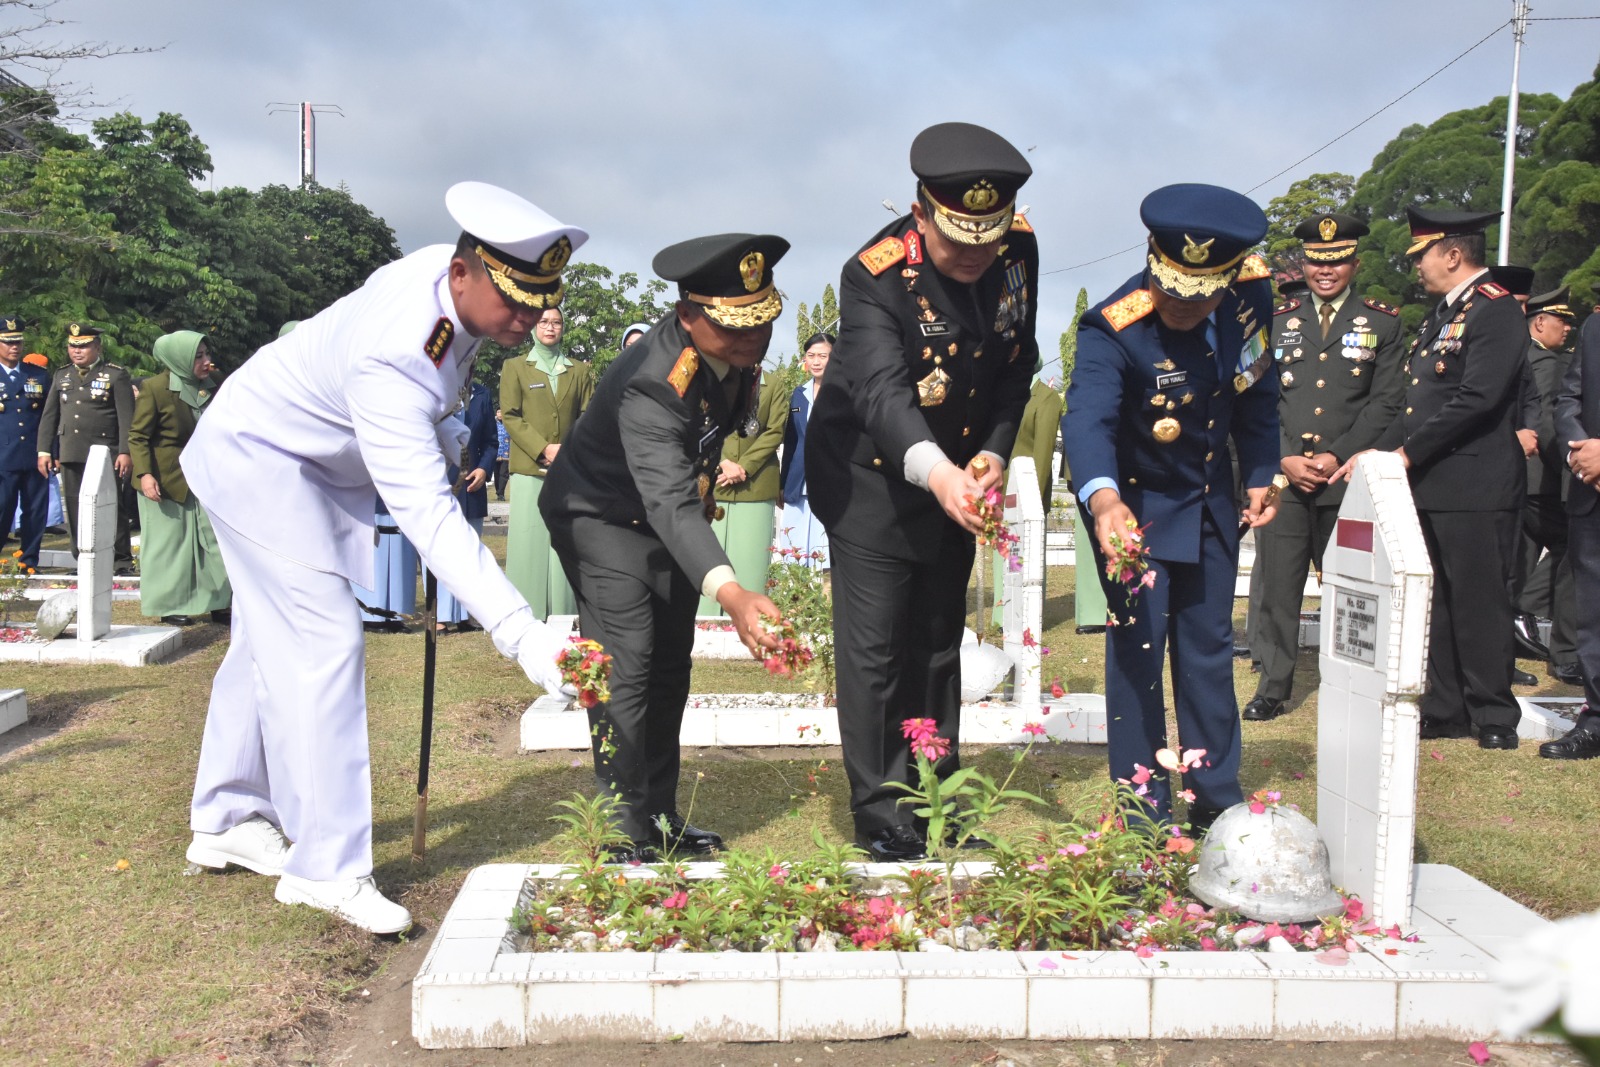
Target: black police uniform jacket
x=1337, y=393
x=1577, y=418
x=87, y=410
x=900, y=320
x=1547, y=467
x=1132, y=372
x=21, y=404
x=643, y=456
x=1458, y=425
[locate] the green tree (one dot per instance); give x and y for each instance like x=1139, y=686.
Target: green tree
x=823, y=318
x=1069, y=340
x=1315, y=195
x=1556, y=222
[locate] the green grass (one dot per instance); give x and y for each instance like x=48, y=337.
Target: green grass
x=125, y=967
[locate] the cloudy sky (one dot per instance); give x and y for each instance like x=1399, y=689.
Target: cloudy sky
x=649, y=122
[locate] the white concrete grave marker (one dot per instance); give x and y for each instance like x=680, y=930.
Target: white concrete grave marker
x=1377, y=584
x=97, y=535
x=1023, y=589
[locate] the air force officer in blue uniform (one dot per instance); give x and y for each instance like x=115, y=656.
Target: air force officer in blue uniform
x=1169, y=367
x=23, y=388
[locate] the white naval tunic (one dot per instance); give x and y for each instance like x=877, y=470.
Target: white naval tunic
x=286, y=462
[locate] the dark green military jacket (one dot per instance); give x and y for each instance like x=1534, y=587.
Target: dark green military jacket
x=162, y=425
x=538, y=410
x=1036, y=435
x=85, y=409
x=758, y=453
x=1336, y=393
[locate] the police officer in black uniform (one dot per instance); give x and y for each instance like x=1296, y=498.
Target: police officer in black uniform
x=931, y=374
x=1339, y=385
x=629, y=505
x=90, y=403
x=1457, y=436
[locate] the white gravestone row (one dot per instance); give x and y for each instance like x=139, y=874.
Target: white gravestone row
x=1377, y=583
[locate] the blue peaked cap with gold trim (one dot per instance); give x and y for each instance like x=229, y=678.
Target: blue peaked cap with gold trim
x=1199, y=235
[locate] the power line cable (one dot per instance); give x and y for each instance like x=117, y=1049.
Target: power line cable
x=1460, y=56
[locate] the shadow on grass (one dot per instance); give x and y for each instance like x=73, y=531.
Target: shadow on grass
x=50, y=714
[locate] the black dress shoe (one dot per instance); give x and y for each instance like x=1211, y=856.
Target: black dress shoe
x=892, y=844
x=1497, y=737
x=1241, y=651
x=1525, y=631
x=631, y=853
x=1567, y=673
x=222, y=615
x=178, y=620
x=1581, y=742
x=1091, y=629
x=1433, y=730
x=1263, y=709
x=952, y=836
x=678, y=837
x=1522, y=677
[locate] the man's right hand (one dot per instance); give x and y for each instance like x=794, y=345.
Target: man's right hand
x=1584, y=459
x=746, y=609
x=1111, y=516
x=46, y=465
x=954, y=489
x=548, y=456
x=536, y=655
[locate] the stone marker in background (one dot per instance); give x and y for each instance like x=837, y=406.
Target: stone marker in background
x=1023, y=589
x=1376, y=587
x=97, y=535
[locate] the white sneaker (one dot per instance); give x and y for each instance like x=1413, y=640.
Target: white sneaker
x=355, y=900
x=254, y=844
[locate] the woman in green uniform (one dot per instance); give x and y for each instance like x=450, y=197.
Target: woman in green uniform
x=541, y=396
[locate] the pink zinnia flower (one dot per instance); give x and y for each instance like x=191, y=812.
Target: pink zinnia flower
x=932, y=746
x=1073, y=850
x=1034, y=728
x=916, y=729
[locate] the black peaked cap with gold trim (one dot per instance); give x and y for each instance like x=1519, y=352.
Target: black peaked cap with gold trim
x=11, y=327
x=1199, y=234
x=522, y=247
x=1428, y=226
x=1518, y=281
x=728, y=274
x=968, y=179
x=1557, y=302
x=1330, y=237
x=81, y=333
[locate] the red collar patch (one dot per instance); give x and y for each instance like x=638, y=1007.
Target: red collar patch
x=913, y=241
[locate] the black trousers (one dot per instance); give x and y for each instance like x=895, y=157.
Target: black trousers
x=1285, y=549
x=1543, y=587
x=502, y=474
x=897, y=628
x=637, y=602
x=71, y=482
x=1470, y=650
x=1583, y=555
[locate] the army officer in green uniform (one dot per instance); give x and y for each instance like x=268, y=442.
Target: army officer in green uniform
x=1339, y=386
x=90, y=403
x=541, y=397
x=747, y=490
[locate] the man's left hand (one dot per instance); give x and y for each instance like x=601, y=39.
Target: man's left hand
x=1584, y=459
x=1529, y=442
x=746, y=609
x=1259, y=512
x=122, y=464
x=475, y=480
x=992, y=474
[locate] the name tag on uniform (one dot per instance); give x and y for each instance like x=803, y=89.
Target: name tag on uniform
x=708, y=437
x=1167, y=381
x=934, y=329
x=538, y=385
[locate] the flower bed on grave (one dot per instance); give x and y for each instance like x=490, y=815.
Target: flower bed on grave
x=1110, y=878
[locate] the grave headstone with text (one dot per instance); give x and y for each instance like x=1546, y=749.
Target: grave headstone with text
x=1022, y=588
x=96, y=534
x=1376, y=587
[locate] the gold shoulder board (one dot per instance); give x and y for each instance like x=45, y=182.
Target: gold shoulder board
x=1287, y=306
x=1131, y=308
x=1252, y=268
x=1379, y=305
x=1493, y=291
x=682, y=372
x=883, y=255
x=1021, y=223
x=438, y=342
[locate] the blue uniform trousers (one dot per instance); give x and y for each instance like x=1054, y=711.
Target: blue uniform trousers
x=1186, y=618
x=33, y=493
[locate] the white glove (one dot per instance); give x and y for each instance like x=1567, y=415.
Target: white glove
x=453, y=437
x=536, y=655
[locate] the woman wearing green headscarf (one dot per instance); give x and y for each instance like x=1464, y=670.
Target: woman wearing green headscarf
x=541, y=397
x=180, y=566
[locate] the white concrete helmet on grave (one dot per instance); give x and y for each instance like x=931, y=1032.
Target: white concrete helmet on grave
x=1270, y=866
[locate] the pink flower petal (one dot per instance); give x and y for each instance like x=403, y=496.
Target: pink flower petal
x=1168, y=759
x=1435, y=754
x=1479, y=1053
x=1334, y=957
x=1048, y=964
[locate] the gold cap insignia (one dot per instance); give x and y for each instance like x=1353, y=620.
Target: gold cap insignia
x=1196, y=253
x=751, y=268
x=74, y=330
x=980, y=197
x=554, y=260
x=1327, y=228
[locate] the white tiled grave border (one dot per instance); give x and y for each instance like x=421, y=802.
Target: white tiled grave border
x=13, y=709
x=473, y=992
x=129, y=646
x=1079, y=717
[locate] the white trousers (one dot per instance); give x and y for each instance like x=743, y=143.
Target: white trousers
x=286, y=732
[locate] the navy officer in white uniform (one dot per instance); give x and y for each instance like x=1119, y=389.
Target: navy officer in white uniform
x=355, y=401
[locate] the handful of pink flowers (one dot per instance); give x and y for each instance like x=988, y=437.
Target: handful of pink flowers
x=991, y=511
x=585, y=664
